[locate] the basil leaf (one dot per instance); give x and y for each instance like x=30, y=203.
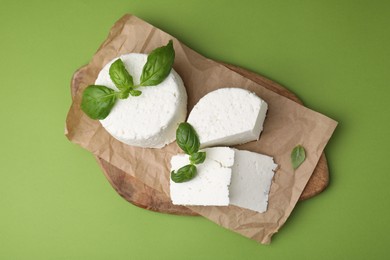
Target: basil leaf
x=120, y=76
x=97, y=101
x=198, y=158
x=158, y=65
x=187, y=139
x=185, y=173
x=135, y=93
x=298, y=155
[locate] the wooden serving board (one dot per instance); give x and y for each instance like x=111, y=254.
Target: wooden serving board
x=148, y=198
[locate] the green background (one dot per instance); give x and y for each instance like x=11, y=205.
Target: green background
x=55, y=202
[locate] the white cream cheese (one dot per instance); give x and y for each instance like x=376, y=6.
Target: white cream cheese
x=249, y=175
x=252, y=175
x=210, y=186
x=149, y=120
x=228, y=116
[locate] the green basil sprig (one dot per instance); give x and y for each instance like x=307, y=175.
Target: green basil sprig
x=298, y=156
x=188, y=141
x=97, y=101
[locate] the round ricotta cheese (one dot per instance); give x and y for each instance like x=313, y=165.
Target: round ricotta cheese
x=151, y=119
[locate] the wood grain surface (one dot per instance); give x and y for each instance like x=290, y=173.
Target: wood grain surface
x=145, y=197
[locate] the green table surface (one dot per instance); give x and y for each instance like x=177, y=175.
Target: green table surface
x=55, y=203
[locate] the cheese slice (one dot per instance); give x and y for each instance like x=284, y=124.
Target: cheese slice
x=149, y=120
x=249, y=175
x=228, y=116
x=210, y=185
x=251, y=180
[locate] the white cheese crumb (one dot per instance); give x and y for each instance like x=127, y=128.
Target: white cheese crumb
x=149, y=120
x=228, y=116
x=251, y=180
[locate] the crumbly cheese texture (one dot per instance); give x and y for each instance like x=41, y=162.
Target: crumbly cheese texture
x=210, y=186
x=228, y=116
x=251, y=180
x=149, y=120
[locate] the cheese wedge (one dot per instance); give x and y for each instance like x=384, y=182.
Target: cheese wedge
x=228, y=116
x=210, y=186
x=252, y=175
x=149, y=120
